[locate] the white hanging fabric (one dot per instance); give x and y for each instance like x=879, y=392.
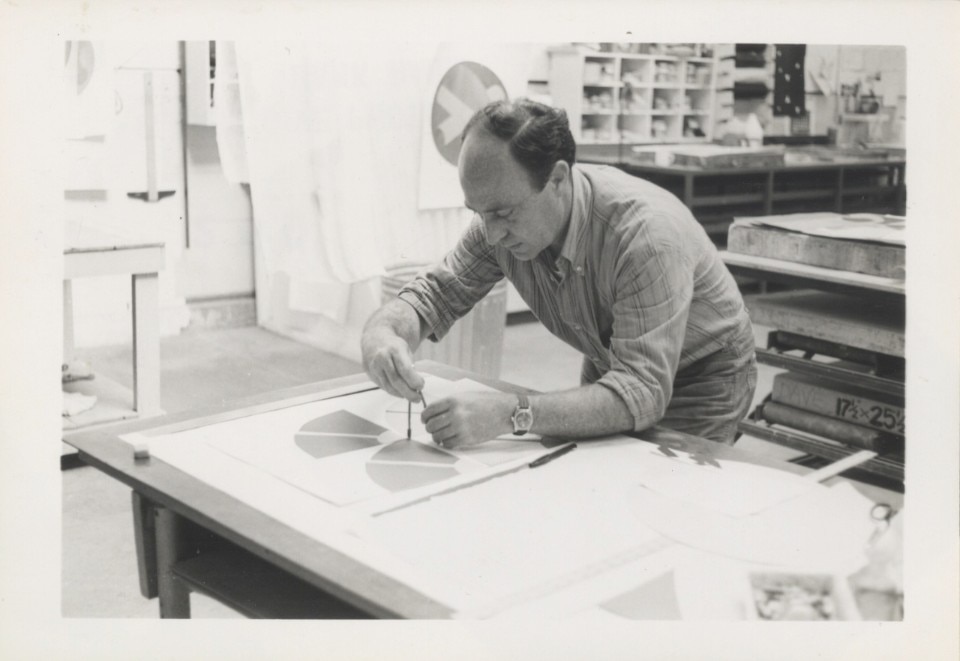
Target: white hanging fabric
x=325, y=160
x=229, y=115
x=331, y=143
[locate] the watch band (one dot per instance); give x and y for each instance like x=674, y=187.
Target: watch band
x=522, y=417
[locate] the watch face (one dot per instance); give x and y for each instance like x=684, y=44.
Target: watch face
x=523, y=419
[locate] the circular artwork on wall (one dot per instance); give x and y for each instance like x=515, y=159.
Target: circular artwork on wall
x=83, y=51
x=465, y=88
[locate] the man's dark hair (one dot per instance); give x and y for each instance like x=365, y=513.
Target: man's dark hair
x=538, y=135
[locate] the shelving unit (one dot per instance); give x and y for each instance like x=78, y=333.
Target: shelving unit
x=615, y=98
x=744, y=79
x=844, y=184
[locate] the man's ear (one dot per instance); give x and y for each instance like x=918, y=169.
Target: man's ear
x=559, y=173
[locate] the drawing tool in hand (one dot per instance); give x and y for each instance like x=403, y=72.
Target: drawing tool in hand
x=410, y=413
x=559, y=452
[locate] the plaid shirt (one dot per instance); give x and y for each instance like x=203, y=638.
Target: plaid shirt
x=638, y=288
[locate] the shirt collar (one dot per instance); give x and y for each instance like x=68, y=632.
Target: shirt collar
x=572, y=250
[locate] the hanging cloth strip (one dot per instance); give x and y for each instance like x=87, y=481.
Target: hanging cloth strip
x=751, y=55
x=788, y=81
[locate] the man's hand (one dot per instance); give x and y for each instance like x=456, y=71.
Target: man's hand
x=390, y=337
x=467, y=419
x=388, y=362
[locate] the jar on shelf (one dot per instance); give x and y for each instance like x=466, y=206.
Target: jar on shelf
x=692, y=128
x=753, y=131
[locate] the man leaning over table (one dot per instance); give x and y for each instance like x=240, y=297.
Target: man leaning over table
x=611, y=264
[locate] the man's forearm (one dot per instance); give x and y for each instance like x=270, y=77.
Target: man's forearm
x=394, y=318
x=468, y=418
x=583, y=412
x=586, y=411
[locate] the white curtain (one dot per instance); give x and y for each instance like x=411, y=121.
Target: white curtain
x=331, y=136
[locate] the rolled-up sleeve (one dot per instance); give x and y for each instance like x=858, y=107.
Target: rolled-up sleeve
x=654, y=288
x=449, y=290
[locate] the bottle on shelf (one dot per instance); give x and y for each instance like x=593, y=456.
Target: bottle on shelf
x=753, y=131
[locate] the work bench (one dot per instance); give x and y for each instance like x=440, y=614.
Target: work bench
x=832, y=324
x=193, y=537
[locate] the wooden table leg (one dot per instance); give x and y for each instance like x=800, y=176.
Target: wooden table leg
x=171, y=546
x=900, y=174
x=768, y=194
x=146, y=343
x=838, y=196
x=145, y=537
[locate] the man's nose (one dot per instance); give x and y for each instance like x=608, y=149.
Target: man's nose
x=493, y=231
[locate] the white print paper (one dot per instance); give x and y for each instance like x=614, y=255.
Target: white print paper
x=679, y=583
x=695, y=502
x=734, y=488
x=351, y=449
x=854, y=227
x=824, y=529
x=512, y=540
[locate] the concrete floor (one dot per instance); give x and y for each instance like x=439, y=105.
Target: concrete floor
x=197, y=369
x=99, y=574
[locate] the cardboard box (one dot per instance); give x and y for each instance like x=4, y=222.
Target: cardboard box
x=718, y=157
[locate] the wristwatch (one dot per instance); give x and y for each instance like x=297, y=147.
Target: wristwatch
x=522, y=417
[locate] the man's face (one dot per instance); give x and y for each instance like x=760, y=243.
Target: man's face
x=515, y=215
